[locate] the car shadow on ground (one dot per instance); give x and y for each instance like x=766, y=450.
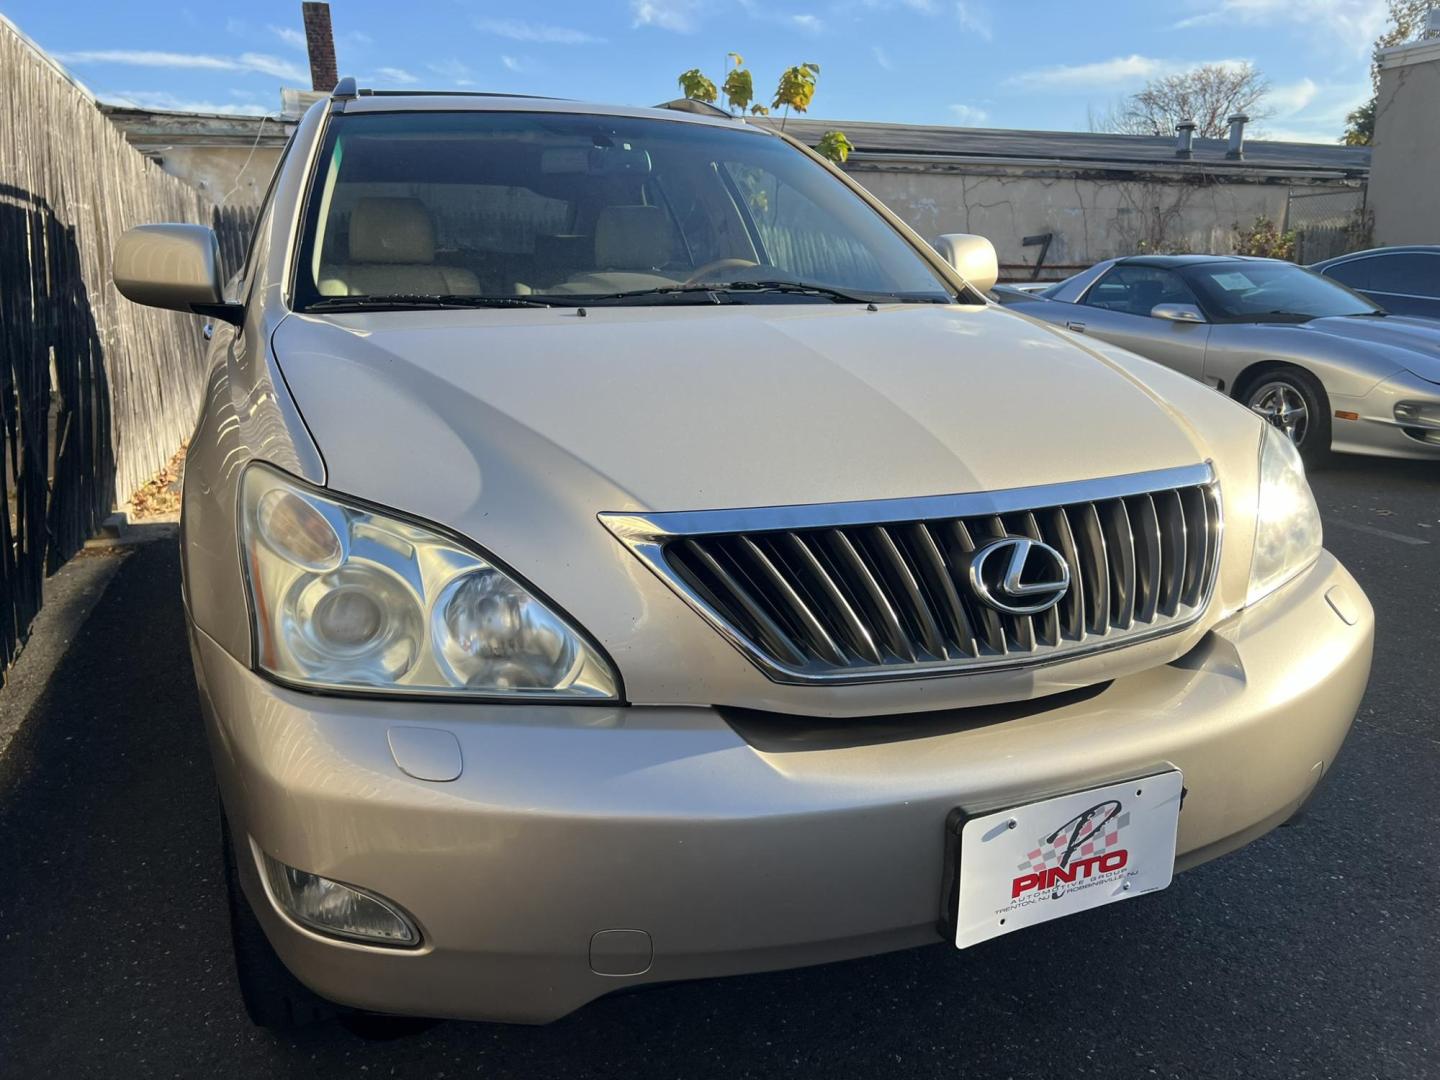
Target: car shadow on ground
x=1305, y=955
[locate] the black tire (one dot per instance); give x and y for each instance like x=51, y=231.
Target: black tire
x=1267, y=390
x=273, y=997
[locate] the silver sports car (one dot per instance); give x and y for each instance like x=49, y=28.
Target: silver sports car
x=1330, y=368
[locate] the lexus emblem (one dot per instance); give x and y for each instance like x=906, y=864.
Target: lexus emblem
x=1019, y=576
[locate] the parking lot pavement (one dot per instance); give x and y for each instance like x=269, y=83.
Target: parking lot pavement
x=1311, y=953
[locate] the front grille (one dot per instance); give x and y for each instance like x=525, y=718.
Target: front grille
x=876, y=590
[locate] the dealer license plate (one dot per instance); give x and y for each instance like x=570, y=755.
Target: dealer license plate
x=1037, y=862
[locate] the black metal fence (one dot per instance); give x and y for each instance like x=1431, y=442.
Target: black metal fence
x=96, y=394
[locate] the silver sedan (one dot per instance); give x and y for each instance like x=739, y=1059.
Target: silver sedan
x=1330, y=368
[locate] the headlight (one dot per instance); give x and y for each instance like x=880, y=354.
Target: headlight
x=346, y=598
x=1287, y=522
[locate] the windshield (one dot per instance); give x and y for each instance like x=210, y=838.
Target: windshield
x=533, y=208
x=1271, y=291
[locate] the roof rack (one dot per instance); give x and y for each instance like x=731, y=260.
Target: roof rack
x=694, y=105
x=345, y=89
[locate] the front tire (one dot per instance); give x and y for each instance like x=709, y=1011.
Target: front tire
x=274, y=998
x=1292, y=400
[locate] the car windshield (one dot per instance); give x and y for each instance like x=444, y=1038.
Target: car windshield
x=513, y=209
x=1271, y=291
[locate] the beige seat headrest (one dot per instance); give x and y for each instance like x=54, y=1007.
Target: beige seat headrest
x=632, y=238
x=391, y=230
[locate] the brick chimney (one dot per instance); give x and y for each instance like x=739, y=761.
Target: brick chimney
x=320, y=44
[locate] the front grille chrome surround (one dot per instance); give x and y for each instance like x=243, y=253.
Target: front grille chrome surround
x=877, y=590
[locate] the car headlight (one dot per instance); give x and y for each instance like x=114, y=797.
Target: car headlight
x=1287, y=521
x=344, y=597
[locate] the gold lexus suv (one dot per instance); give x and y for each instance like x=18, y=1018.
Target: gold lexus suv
x=616, y=549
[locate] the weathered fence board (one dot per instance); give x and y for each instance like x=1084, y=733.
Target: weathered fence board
x=96, y=393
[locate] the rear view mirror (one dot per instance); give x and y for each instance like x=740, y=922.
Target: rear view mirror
x=175, y=267
x=1186, y=313
x=973, y=258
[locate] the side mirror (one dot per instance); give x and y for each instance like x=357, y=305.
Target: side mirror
x=973, y=258
x=175, y=267
x=1186, y=313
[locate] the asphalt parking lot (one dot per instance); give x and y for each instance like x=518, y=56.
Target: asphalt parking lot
x=1312, y=953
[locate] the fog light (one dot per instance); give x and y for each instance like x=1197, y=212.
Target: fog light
x=1418, y=413
x=328, y=907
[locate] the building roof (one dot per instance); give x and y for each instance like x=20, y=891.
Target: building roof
x=936, y=144
x=149, y=129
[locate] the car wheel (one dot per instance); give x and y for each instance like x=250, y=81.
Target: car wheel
x=1293, y=401
x=274, y=998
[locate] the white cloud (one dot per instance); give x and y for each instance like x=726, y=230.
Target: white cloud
x=514, y=63
x=881, y=57
x=924, y=7
x=681, y=16
x=974, y=18
x=1352, y=24
x=1291, y=98
x=1107, y=74
x=969, y=114
x=396, y=75
x=541, y=33
x=254, y=63
x=289, y=35
x=159, y=99
x=805, y=22
x=452, y=72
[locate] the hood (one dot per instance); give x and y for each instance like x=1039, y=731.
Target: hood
x=1414, y=343
x=516, y=427
x=684, y=408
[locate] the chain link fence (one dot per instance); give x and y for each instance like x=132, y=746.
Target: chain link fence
x=1327, y=223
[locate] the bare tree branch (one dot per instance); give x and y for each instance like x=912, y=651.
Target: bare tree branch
x=1208, y=94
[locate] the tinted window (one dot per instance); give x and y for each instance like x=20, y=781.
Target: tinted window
x=532, y=204
x=1270, y=291
x=1413, y=273
x=1135, y=290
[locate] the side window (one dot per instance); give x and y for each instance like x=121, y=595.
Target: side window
x=1357, y=274
x=1135, y=290
x=799, y=237
x=262, y=219
x=1412, y=273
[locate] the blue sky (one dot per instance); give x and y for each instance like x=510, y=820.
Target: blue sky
x=1000, y=63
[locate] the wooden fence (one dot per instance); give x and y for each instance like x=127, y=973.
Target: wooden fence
x=96, y=394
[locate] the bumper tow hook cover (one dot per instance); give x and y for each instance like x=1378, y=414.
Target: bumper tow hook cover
x=426, y=753
x=621, y=952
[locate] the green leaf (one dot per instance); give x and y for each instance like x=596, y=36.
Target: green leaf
x=694, y=84
x=739, y=88
x=796, y=88
x=835, y=146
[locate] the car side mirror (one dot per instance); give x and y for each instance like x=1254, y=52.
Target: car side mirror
x=1187, y=313
x=973, y=258
x=175, y=267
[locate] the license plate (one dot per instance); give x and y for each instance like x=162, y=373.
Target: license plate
x=1046, y=859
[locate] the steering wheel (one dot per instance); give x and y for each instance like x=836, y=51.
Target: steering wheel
x=703, y=273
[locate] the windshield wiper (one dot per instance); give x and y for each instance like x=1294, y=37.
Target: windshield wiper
x=714, y=290
x=419, y=301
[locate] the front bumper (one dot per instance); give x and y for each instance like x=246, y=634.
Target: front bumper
x=1377, y=431
x=733, y=854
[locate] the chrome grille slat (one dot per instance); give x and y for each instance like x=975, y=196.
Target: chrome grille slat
x=940, y=580
x=1146, y=524
x=879, y=603
x=1072, y=607
x=857, y=591
x=1172, y=546
x=817, y=636
x=841, y=610
x=988, y=617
